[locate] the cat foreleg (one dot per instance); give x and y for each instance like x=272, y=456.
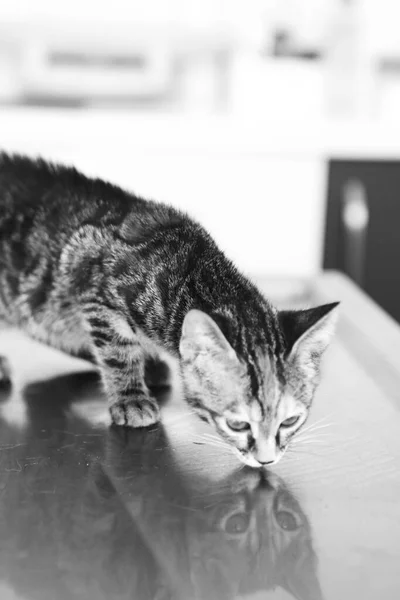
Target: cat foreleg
x=121, y=361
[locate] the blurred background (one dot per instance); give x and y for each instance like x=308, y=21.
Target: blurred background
x=275, y=122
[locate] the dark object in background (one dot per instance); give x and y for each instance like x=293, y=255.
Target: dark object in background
x=362, y=227
x=285, y=46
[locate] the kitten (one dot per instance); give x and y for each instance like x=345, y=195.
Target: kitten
x=93, y=270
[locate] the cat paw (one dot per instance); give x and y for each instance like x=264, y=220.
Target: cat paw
x=137, y=411
x=5, y=371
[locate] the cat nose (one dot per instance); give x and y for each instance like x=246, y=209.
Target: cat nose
x=266, y=452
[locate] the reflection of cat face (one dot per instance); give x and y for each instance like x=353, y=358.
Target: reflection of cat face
x=251, y=535
x=219, y=540
x=243, y=518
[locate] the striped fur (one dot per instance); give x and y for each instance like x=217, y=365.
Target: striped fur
x=93, y=270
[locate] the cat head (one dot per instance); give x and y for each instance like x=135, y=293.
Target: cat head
x=259, y=398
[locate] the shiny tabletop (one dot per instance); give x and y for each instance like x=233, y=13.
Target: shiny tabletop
x=91, y=511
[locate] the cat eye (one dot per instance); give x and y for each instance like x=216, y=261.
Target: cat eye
x=286, y=520
x=287, y=517
x=238, y=425
x=289, y=422
x=238, y=523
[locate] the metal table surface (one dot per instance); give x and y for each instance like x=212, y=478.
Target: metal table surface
x=96, y=512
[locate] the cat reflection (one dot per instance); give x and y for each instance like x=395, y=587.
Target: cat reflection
x=213, y=540
x=88, y=512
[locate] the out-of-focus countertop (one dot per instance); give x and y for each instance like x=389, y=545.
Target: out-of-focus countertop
x=88, y=511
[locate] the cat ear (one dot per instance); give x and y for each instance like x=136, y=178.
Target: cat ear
x=201, y=335
x=307, y=333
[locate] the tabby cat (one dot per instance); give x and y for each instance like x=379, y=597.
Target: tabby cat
x=98, y=272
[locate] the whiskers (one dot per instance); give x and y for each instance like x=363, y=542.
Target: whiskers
x=320, y=424
x=214, y=441
x=186, y=422
x=315, y=435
